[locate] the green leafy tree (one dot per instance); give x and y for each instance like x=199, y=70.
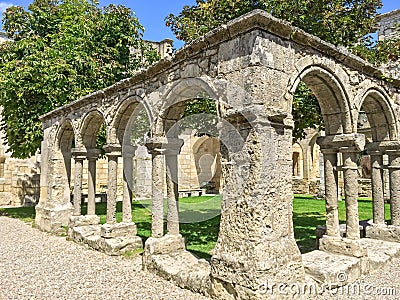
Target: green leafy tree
x=341, y=22
x=62, y=50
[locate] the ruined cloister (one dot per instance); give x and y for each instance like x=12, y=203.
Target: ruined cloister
x=251, y=68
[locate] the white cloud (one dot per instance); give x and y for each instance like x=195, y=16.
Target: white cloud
x=4, y=6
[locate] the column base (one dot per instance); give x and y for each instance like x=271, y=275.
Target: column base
x=53, y=219
x=389, y=233
x=343, y=246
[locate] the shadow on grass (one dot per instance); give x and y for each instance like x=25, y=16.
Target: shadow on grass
x=26, y=214
x=304, y=229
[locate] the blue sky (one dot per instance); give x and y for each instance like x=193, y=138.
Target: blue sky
x=151, y=13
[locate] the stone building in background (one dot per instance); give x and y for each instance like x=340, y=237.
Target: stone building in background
x=389, y=28
x=19, y=178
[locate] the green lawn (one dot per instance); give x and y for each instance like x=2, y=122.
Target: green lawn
x=200, y=219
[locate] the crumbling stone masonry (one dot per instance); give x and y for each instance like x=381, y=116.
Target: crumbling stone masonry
x=251, y=67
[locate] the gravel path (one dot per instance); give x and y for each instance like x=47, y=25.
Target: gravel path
x=37, y=265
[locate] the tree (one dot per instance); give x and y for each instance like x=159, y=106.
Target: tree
x=341, y=22
x=62, y=50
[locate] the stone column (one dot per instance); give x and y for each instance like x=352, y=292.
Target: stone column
x=92, y=157
x=79, y=156
x=350, y=174
x=331, y=191
x=171, y=158
x=157, y=188
x=377, y=187
x=394, y=179
x=128, y=152
x=112, y=153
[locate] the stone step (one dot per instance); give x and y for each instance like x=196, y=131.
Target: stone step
x=334, y=269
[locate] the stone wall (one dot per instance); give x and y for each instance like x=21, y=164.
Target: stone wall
x=388, y=25
x=389, y=28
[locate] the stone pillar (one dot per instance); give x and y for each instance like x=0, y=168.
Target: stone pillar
x=377, y=187
x=171, y=158
x=331, y=191
x=128, y=152
x=350, y=174
x=92, y=157
x=394, y=179
x=79, y=156
x=157, y=188
x=112, y=153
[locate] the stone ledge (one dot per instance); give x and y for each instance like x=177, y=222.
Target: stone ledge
x=324, y=267
x=183, y=268
x=109, y=231
x=119, y=245
x=90, y=235
x=76, y=221
x=342, y=246
x=388, y=233
x=167, y=244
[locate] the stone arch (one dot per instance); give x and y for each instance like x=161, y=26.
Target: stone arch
x=61, y=161
x=174, y=100
x=297, y=158
x=331, y=94
x=381, y=116
x=314, y=170
x=91, y=124
x=123, y=117
x=65, y=135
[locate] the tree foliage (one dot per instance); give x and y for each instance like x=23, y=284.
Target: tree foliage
x=62, y=50
x=341, y=22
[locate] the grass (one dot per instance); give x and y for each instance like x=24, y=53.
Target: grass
x=308, y=213
x=200, y=217
x=26, y=214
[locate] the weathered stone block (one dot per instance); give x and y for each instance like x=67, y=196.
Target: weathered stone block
x=119, y=245
x=334, y=269
x=166, y=244
x=383, y=232
x=343, y=246
x=76, y=221
x=118, y=230
x=53, y=219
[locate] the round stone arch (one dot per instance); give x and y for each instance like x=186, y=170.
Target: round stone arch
x=328, y=85
x=121, y=118
x=176, y=97
x=90, y=126
x=61, y=162
x=381, y=116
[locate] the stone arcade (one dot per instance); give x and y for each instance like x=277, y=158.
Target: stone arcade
x=251, y=68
